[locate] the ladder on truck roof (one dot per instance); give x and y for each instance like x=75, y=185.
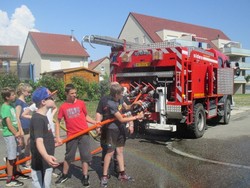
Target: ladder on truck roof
x=113, y=42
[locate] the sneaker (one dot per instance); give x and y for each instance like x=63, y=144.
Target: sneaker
x=27, y=167
x=85, y=181
x=62, y=179
x=125, y=177
x=55, y=175
x=14, y=183
x=21, y=176
x=104, y=181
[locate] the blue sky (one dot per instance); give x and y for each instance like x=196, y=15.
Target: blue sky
x=108, y=17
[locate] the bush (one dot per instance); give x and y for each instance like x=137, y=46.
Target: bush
x=104, y=86
x=52, y=83
x=93, y=91
x=247, y=78
x=8, y=80
x=81, y=85
x=87, y=91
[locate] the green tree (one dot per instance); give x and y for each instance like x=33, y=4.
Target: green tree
x=247, y=78
x=104, y=86
x=52, y=83
x=81, y=86
x=8, y=80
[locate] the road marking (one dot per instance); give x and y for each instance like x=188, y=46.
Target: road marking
x=170, y=147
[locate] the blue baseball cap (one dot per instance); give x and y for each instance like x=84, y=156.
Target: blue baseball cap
x=41, y=93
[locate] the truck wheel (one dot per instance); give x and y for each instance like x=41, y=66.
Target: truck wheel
x=227, y=112
x=199, y=121
x=224, y=119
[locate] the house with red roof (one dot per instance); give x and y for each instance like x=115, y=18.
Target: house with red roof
x=144, y=29
x=102, y=66
x=47, y=52
x=9, y=59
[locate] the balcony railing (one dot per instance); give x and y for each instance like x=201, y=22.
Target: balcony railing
x=239, y=79
x=244, y=66
x=236, y=51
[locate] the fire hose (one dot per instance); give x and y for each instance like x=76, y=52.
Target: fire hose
x=141, y=108
x=28, y=158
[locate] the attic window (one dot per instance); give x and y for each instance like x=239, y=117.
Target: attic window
x=144, y=39
x=102, y=68
x=136, y=39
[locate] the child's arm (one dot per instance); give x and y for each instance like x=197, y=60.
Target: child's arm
x=90, y=120
x=11, y=127
x=18, y=114
x=26, y=113
x=58, y=139
x=20, y=129
x=51, y=160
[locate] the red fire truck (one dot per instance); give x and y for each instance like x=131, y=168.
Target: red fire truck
x=182, y=86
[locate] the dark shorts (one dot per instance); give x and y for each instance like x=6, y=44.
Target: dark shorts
x=83, y=145
x=115, y=137
x=26, y=131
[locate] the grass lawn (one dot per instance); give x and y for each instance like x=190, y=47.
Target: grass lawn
x=241, y=99
x=91, y=107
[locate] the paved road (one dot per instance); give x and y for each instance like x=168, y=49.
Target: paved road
x=152, y=164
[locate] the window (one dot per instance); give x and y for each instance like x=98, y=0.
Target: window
x=144, y=39
x=136, y=40
x=6, y=66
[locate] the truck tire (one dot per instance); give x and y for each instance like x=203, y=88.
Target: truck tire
x=227, y=112
x=198, y=126
x=224, y=119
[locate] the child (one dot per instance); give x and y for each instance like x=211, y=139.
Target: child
x=42, y=140
x=12, y=131
x=23, y=91
x=115, y=136
x=74, y=113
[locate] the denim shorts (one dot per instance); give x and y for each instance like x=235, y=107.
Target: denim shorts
x=41, y=179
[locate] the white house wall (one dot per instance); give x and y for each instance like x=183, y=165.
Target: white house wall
x=106, y=67
x=31, y=55
x=133, y=30
x=50, y=63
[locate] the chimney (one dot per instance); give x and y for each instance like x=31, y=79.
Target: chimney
x=72, y=35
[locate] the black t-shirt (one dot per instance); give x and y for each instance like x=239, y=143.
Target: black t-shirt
x=113, y=107
x=102, y=107
x=40, y=128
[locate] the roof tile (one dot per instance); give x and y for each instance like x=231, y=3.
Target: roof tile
x=151, y=25
x=57, y=44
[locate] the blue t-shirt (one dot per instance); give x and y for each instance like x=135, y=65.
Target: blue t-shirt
x=25, y=122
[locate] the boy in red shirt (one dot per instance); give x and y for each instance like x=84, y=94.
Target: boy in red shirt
x=75, y=115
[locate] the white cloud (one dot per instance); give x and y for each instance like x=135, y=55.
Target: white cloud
x=14, y=30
